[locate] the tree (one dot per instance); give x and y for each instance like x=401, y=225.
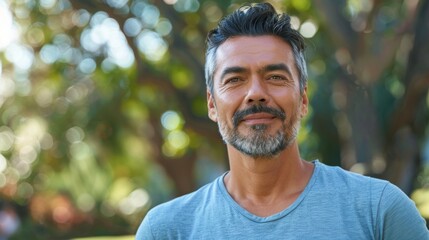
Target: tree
x=103, y=103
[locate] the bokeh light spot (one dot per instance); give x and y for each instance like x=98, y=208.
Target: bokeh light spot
x=150, y=15
x=212, y=12
x=8, y=31
x=178, y=139
x=87, y=66
x=163, y=27
x=44, y=97
x=81, y=17
x=49, y=53
x=47, y=142
x=47, y=4
x=187, y=5
x=152, y=45
x=75, y=134
x=20, y=55
x=6, y=139
x=170, y=120
x=170, y=2
x=85, y=202
x=308, y=29
x=3, y=163
x=35, y=36
x=28, y=154
x=295, y=22
x=117, y=3
x=132, y=27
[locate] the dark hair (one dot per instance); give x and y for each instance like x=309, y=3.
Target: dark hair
x=255, y=20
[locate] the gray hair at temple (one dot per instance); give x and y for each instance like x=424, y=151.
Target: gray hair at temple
x=255, y=20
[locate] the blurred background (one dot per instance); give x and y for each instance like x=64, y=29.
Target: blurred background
x=103, y=104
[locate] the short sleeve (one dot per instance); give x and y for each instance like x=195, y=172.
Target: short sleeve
x=398, y=217
x=144, y=232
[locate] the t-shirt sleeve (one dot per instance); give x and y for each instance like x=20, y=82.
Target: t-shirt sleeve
x=398, y=217
x=144, y=232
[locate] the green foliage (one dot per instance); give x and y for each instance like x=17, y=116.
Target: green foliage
x=103, y=104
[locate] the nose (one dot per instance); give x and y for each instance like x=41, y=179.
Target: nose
x=257, y=92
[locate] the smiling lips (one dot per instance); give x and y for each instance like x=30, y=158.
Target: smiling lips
x=257, y=114
x=258, y=118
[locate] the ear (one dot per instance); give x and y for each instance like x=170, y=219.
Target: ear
x=304, y=103
x=211, y=106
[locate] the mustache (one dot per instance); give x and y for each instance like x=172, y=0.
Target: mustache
x=239, y=115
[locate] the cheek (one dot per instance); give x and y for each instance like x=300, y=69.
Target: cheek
x=291, y=105
x=227, y=105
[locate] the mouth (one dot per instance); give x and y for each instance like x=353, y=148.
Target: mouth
x=258, y=118
x=258, y=115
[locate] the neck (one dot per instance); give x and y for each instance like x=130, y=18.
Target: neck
x=267, y=186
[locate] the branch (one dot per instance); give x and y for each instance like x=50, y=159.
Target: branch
x=417, y=75
x=181, y=48
x=337, y=23
x=201, y=125
x=373, y=63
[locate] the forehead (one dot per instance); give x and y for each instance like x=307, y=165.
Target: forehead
x=254, y=52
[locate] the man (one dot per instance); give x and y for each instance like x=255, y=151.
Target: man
x=256, y=81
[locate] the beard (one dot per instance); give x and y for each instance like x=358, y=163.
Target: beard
x=259, y=143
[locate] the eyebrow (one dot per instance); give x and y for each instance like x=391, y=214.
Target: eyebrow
x=234, y=69
x=276, y=67
x=267, y=68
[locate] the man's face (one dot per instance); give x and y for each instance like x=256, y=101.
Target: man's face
x=256, y=98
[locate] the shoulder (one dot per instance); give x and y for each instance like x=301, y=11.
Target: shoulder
x=339, y=178
x=176, y=215
x=356, y=192
x=392, y=213
x=397, y=216
x=373, y=191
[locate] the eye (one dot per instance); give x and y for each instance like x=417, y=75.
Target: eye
x=232, y=80
x=276, y=77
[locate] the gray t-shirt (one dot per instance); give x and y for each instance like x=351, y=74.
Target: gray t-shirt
x=336, y=204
